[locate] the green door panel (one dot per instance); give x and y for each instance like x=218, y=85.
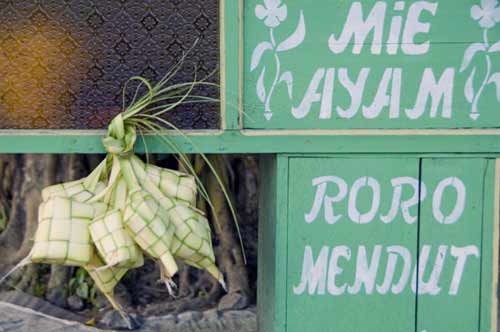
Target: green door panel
x=379, y=243
x=343, y=219
x=450, y=245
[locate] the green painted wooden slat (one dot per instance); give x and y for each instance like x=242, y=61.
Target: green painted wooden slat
x=282, y=223
x=450, y=236
x=251, y=142
x=266, y=279
x=271, y=293
x=490, y=240
x=230, y=64
x=322, y=307
x=279, y=70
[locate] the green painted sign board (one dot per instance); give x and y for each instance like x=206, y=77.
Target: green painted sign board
x=378, y=243
x=371, y=64
x=375, y=241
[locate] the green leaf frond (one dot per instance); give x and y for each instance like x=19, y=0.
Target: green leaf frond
x=145, y=113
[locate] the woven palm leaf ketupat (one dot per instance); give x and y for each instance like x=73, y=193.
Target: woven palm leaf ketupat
x=174, y=184
x=113, y=242
x=106, y=280
x=192, y=242
x=151, y=229
x=126, y=208
x=81, y=190
x=63, y=234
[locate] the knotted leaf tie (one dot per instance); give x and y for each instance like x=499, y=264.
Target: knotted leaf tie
x=125, y=208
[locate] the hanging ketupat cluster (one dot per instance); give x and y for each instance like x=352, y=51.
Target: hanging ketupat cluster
x=126, y=208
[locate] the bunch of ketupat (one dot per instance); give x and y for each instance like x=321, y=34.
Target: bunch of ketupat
x=126, y=208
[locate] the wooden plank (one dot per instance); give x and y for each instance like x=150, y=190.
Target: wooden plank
x=271, y=293
x=450, y=243
x=266, y=278
x=348, y=296
x=257, y=142
x=283, y=171
x=489, y=261
x=301, y=82
x=230, y=62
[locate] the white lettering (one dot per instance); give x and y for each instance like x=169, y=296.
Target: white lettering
x=438, y=198
x=366, y=272
x=326, y=102
x=313, y=274
x=353, y=211
x=431, y=286
x=413, y=26
x=311, y=96
x=394, y=253
x=381, y=99
x=334, y=270
x=321, y=198
x=359, y=28
x=437, y=91
x=397, y=184
x=461, y=253
x=355, y=91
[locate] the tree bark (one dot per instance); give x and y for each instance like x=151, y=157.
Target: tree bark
x=229, y=253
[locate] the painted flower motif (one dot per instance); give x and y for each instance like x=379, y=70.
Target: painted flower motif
x=272, y=12
x=488, y=13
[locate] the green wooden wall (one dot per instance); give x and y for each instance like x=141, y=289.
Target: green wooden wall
x=358, y=98
x=377, y=243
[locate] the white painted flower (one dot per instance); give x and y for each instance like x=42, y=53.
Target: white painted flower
x=272, y=12
x=488, y=13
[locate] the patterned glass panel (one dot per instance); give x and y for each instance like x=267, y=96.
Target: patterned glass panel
x=63, y=62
